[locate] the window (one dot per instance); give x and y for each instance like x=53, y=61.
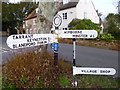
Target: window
x=64, y=15
x=64, y=28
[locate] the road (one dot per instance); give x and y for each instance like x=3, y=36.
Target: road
x=89, y=57
x=85, y=56
x=6, y=53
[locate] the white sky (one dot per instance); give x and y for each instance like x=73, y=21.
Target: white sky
x=103, y=6
x=106, y=6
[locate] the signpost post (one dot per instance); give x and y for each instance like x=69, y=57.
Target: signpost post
x=57, y=20
x=74, y=44
x=56, y=49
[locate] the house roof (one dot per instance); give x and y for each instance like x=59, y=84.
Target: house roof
x=69, y=5
x=31, y=15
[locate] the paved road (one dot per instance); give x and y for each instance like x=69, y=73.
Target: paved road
x=6, y=53
x=89, y=57
x=85, y=56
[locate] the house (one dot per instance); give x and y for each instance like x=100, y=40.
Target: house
x=30, y=23
x=80, y=9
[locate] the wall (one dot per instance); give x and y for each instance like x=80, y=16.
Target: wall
x=71, y=14
x=86, y=10
x=31, y=27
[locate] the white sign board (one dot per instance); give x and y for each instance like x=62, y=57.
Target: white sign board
x=77, y=33
x=28, y=40
x=94, y=71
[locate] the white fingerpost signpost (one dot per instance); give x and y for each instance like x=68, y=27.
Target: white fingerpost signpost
x=77, y=34
x=28, y=40
x=93, y=71
x=31, y=40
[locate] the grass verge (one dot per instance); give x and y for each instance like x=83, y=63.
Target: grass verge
x=37, y=70
x=113, y=45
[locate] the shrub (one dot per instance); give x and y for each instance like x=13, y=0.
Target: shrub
x=85, y=24
x=113, y=25
x=31, y=70
x=63, y=81
x=106, y=37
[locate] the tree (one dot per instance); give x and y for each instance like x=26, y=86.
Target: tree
x=14, y=14
x=113, y=25
x=46, y=12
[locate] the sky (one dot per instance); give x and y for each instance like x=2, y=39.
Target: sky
x=106, y=6
x=103, y=6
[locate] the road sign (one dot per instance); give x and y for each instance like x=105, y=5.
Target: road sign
x=57, y=20
x=28, y=40
x=54, y=46
x=94, y=71
x=77, y=33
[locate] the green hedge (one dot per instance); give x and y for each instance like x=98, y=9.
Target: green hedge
x=106, y=37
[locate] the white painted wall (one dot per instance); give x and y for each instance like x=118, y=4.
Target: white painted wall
x=86, y=10
x=71, y=14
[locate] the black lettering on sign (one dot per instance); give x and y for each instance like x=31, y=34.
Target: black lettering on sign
x=40, y=43
x=26, y=45
x=45, y=41
x=82, y=70
x=28, y=40
x=15, y=37
x=65, y=32
x=14, y=46
x=83, y=35
x=73, y=32
x=44, y=38
x=89, y=71
x=104, y=71
x=22, y=36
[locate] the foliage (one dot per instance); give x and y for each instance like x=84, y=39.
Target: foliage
x=111, y=45
x=106, y=37
x=113, y=25
x=6, y=84
x=36, y=70
x=90, y=81
x=85, y=24
x=14, y=14
x=63, y=81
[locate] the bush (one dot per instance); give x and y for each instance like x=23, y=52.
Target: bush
x=63, y=81
x=36, y=71
x=31, y=70
x=106, y=37
x=78, y=24
x=113, y=25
